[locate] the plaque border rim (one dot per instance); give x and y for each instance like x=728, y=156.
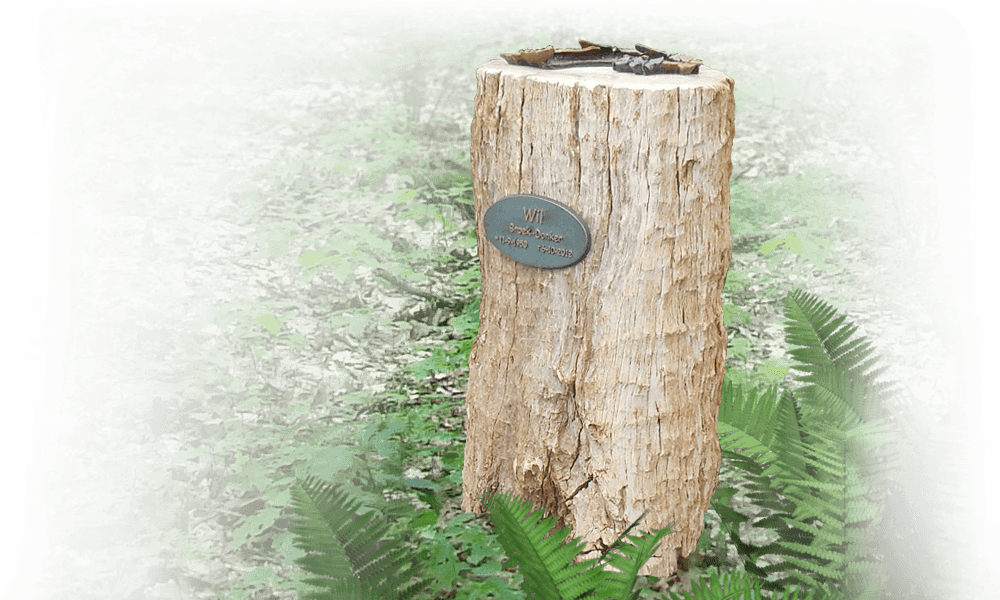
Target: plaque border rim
x=566, y=208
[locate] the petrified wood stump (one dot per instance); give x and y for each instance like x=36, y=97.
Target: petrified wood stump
x=594, y=389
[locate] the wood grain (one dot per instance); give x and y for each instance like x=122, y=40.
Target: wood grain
x=594, y=390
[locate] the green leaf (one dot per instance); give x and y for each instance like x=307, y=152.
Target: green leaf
x=186, y=455
x=739, y=347
x=254, y=471
x=285, y=543
x=274, y=244
x=446, y=564
x=270, y=323
x=406, y=272
x=254, y=525
x=406, y=196
x=773, y=371
x=814, y=249
x=279, y=496
x=771, y=245
x=312, y=259
x=296, y=340
x=734, y=315
x=258, y=575
x=344, y=270
x=331, y=461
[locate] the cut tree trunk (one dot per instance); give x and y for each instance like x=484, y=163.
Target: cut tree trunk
x=594, y=389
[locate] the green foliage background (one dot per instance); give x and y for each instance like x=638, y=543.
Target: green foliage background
x=273, y=275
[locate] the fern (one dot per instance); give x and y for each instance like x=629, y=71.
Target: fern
x=820, y=455
x=349, y=552
x=547, y=563
x=354, y=562
x=812, y=458
x=916, y=550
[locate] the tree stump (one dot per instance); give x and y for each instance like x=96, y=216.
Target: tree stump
x=594, y=389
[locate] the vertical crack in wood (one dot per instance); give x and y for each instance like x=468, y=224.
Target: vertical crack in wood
x=579, y=488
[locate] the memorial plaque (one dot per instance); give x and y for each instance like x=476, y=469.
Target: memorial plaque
x=537, y=231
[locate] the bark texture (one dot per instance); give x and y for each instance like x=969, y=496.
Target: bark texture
x=594, y=390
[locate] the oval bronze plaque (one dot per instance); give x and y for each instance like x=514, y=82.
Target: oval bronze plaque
x=537, y=231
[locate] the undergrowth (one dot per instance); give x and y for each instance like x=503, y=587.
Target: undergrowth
x=263, y=271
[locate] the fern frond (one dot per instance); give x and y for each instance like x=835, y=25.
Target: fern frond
x=749, y=420
x=832, y=358
x=844, y=410
x=628, y=558
x=818, y=495
x=754, y=428
x=546, y=562
x=349, y=552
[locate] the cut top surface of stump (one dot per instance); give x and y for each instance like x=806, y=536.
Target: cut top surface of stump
x=595, y=76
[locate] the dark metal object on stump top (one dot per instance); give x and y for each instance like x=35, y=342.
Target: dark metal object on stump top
x=641, y=61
